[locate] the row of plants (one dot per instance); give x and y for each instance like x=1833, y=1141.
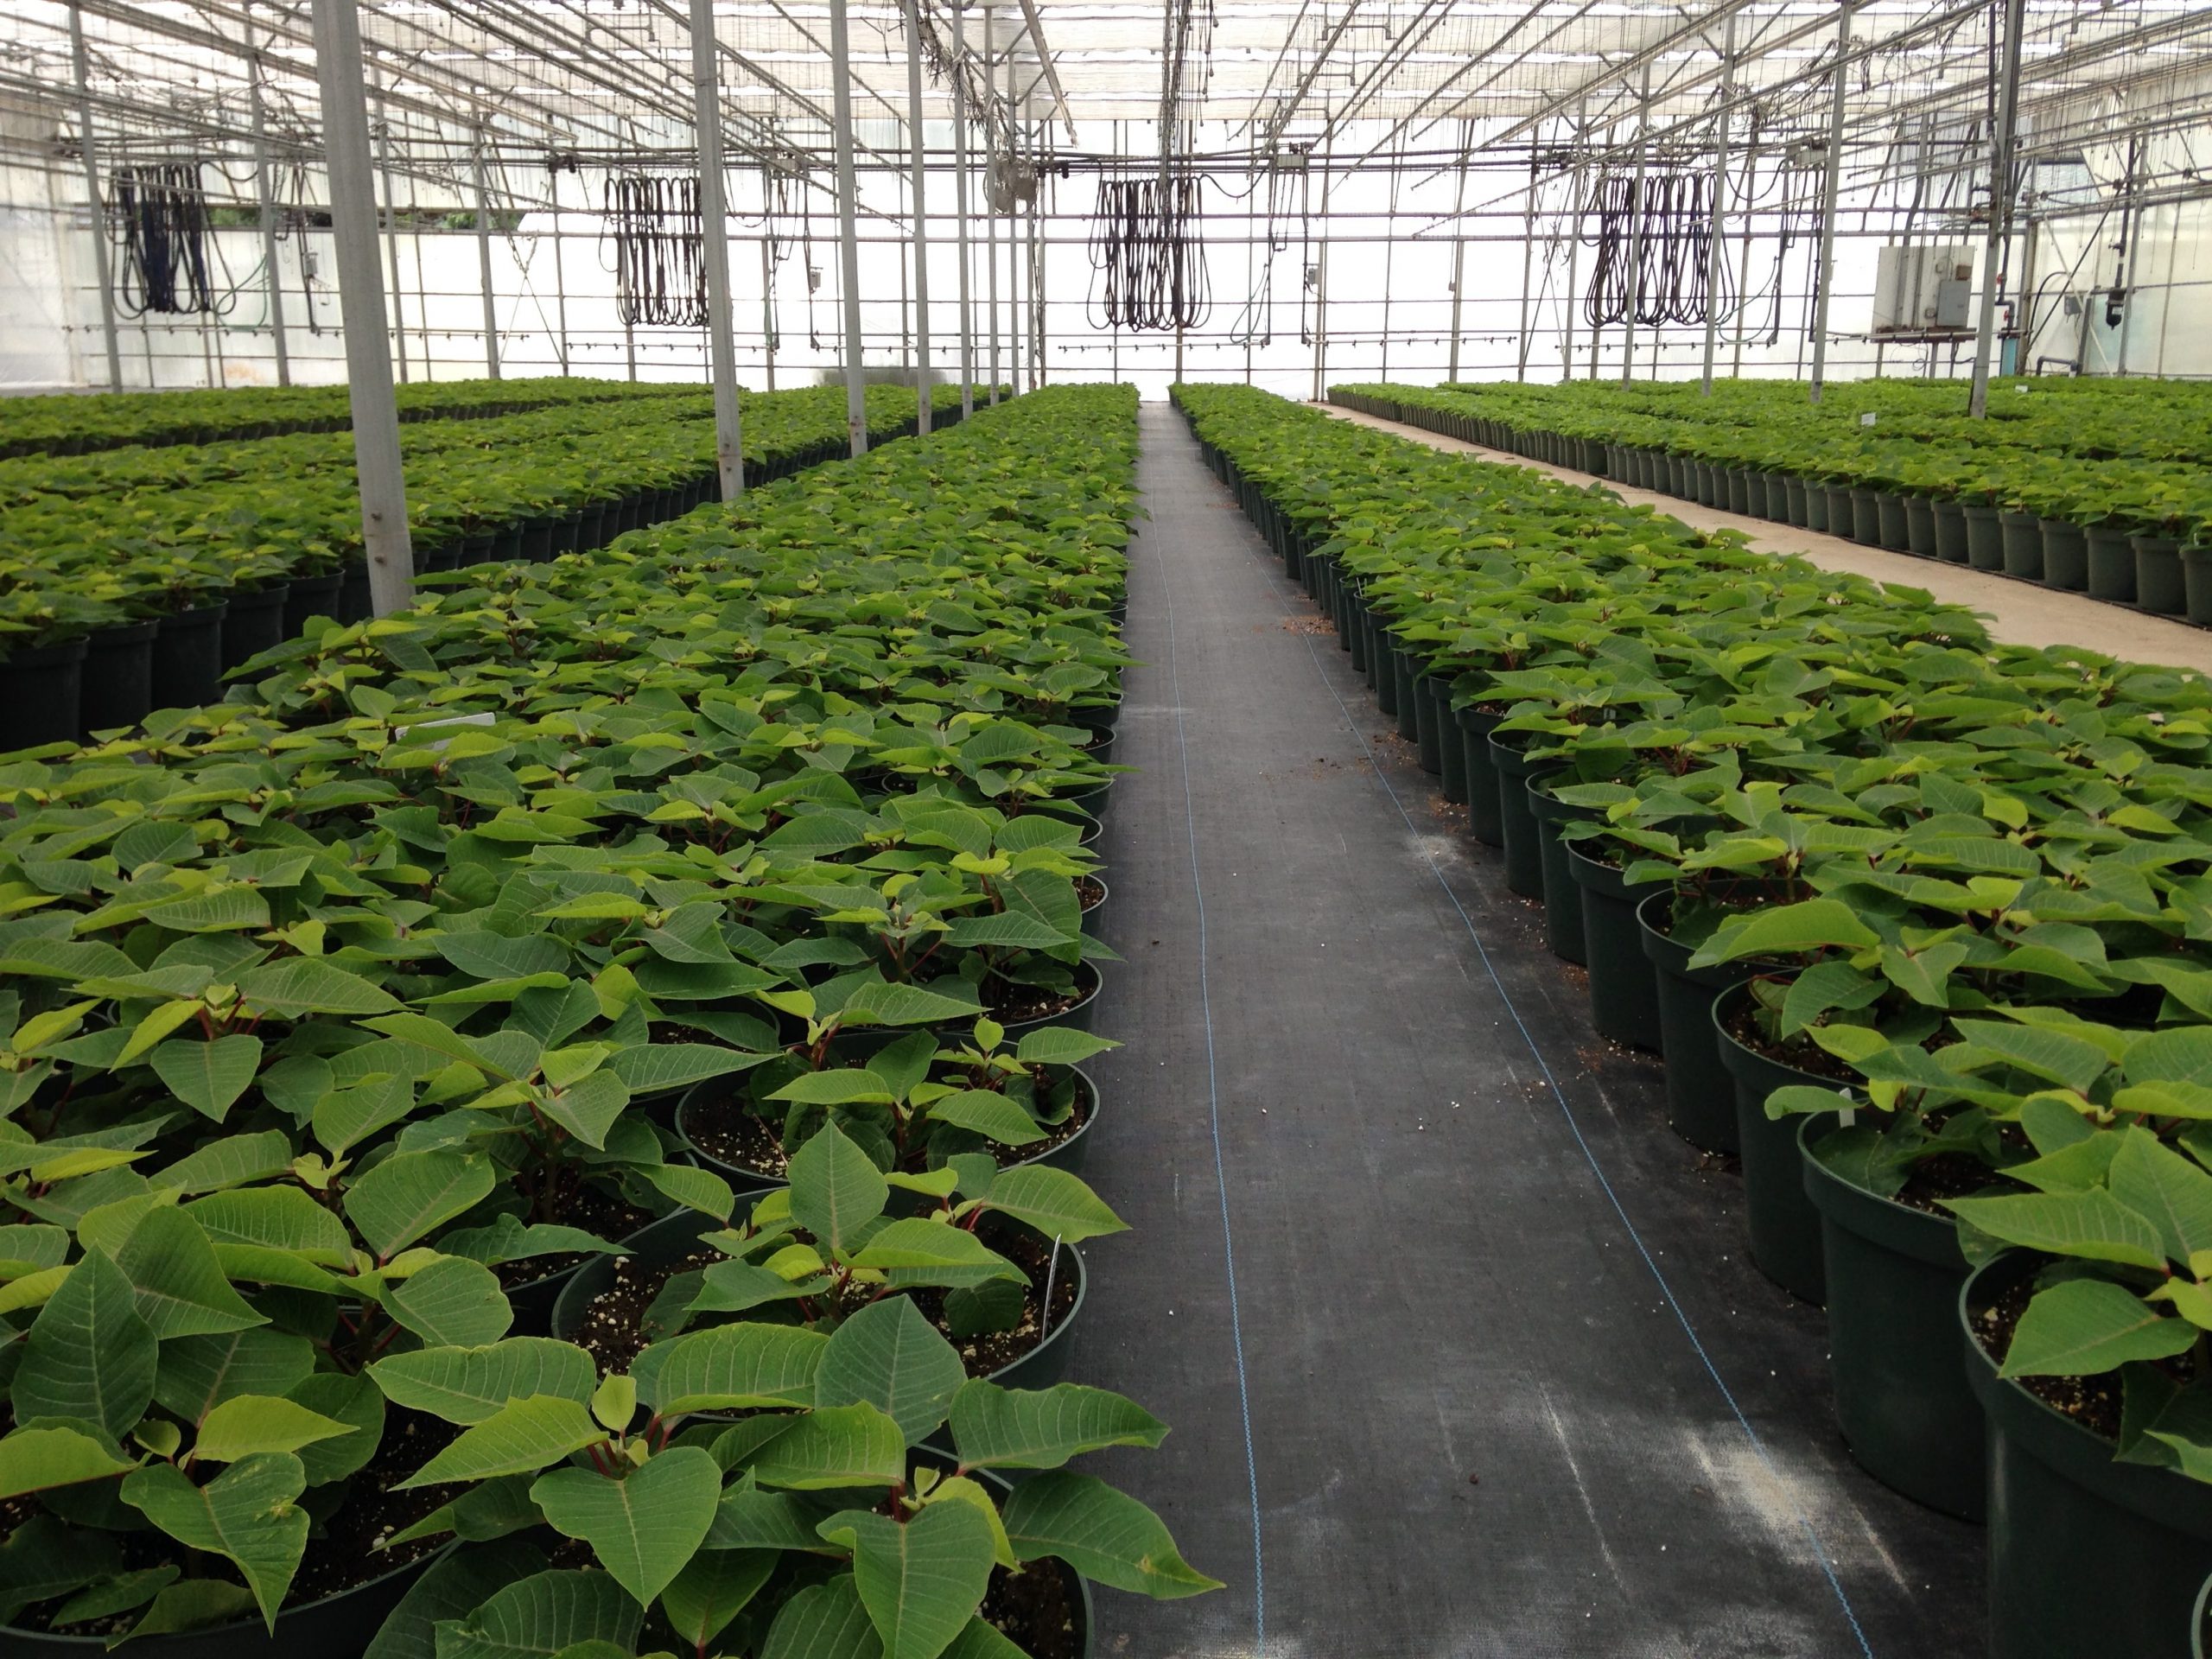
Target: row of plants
x=2086, y=487
x=364, y=1280
x=134, y=597
x=71, y=424
x=1921, y=923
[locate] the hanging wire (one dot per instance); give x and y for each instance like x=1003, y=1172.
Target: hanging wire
x=1653, y=244
x=1146, y=243
x=159, y=218
x=659, y=249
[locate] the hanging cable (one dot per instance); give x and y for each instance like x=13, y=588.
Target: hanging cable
x=1653, y=249
x=1146, y=242
x=659, y=249
x=160, y=223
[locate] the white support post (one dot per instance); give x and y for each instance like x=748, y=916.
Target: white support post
x=361, y=303
x=484, y=257
x=1528, y=262
x=714, y=240
x=960, y=188
x=265, y=200
x=2000, y=206
x=1828, y=192
x=1637, y=218
x=101, y=275
x=922, y=392
x=849, y=247
x=767, y=286
x=990, y=214
x=560, y=277
x=1458, y=251
x=1715, y=237
x=380, y=130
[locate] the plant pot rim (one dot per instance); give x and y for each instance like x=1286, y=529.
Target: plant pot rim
x=560, y=1274
x=1079, y=1271
x=1596, y=875
x=237, y=1629
x=1919, y=1234
x=208, y=613
x=1661, y=950
x=48, y=656
x=122, y=634
x=2080, y=1455
x=762, y=1181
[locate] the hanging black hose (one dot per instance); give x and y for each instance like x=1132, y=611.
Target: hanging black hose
x=659, y=249
x=160, y=217
x=1146, y=242
x=1654, y=251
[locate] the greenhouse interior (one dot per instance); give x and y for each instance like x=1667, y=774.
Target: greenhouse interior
x=599, y=594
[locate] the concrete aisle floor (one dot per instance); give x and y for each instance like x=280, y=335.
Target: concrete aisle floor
x=2020, y=612
x=1491, y=1375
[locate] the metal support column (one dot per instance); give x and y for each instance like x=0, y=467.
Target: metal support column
x=1639, y=217
x=1716, y=236
x=1571, y=221
x=361, y=295
x=713, y=243
x=960, y=192
x=1527, y=264
x=380, y=130
x=484, y=258
x=560, y=279
x=1041, y=244
x=849, y=247
x=100, y=273
x=990, y=213
x=1458, y=252
x=767, y=289
x=2000, y=205
x=264, y=198
x=1825, y=265
x=921, y=220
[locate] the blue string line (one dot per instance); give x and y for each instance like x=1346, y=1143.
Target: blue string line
x=1560, y=1096
x=1213, y=1107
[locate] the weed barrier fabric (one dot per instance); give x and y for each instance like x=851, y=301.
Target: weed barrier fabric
x=1480, y=1424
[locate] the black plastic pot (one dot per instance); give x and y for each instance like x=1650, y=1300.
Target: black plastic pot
x=1451, y=752
x=1701, y=1092
x=537, y=539
x=312, y=594
x=2022, y=534
x=1516, y=825
x=1951, y=532
x=255, y=623
x=1890, y=520
x=1623, y=988
x=2158, y=585
x=1475, y=727
x=1777, y=497
x=39, y=694
x=1794, y=488
x=676, y=1236
x=1739, y=491
x=1408, y=701
x=188, y=661
x=119, y=687
x=1920, y=525
x=2087, y=1556
x=338, y=1624
x=1866, y=516
x=2196, y=582
x=1984, y=536
x=2112, y=563
x=1816, y=505
x=355, y=602
x=1893, y=1274
x=1843, y=512
x=1784, y=1227
x=1563, y=929
x=2065, y=556
x=1428, y=717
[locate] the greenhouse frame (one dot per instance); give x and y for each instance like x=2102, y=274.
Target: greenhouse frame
x=1049, y=829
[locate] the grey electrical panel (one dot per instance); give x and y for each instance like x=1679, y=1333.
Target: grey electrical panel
x=1922, y=290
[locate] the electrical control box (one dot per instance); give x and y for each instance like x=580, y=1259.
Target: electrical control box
x=1922, y=290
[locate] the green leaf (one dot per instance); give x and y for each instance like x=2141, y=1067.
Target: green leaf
x=922, y=1581
x=925, y=1243
x=468, y=1385
x=643, y=1528
x=836, y=1189
x=248, y=1423
x=89, y=1354
x=1059, y=1046
x=905, y=1005
x=301, y=985
x=1054, y=1202
x=663, y=1068
x=520, y=1438
x=46, y=1455
x=842, y=1085
x=249, y=1514
x=833, y=1447
x=1786, y=930
x=587, y=1107
x=494, y=955
x=1005, y=1428
x=451, y=1589
x=192, y=1605
x=752, y=1519
x=209, y=1076
x=615, y=1402
x=2080, y=1327
x=700, y=1601
x=731, y=1368
x=990, y=1114
x=231, y=1161
x=1106, y=1535
x=344, y=1117
x=891, y=1356
x=198, y=1373
x=355, y=1400
x=542, y=1616
x=823, y=1621
x=2050, y=1055
x=411, y=1192
x=2092, y=1225
x=454, y=1302
x=277, y=1218
x=181, y=1290
x=2171, y=1192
